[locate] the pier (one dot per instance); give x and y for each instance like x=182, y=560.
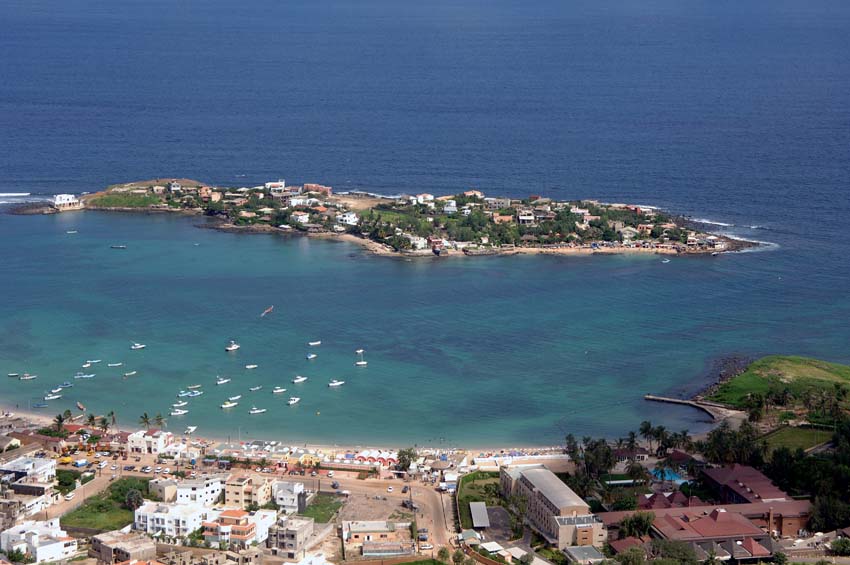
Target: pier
x=717, y=411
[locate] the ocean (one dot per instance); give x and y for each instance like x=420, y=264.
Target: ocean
x=734, y=113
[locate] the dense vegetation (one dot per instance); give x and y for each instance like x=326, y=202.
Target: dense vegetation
x=110, y=510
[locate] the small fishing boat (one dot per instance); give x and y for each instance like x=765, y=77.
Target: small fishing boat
x=251, y=366
x=361, y=362
x=52, y=396
x=86, y=365
x=665, y=260
x=183, y=393
x=40, y=405
x=232, y=398
x=293, y=400
x=335, y=383
x=311, y=356
x=93, y=360
x=71, y=232
x=180, y=404
x=179, y=412
x=714, y=253
x=194, y=387
x=118, y=246
x=190, y=430
x=13, y=375
x=268, y=310
x=255, y=410
x=233, y=346
x=114, y=364
x=81, y=406
x=84, y=376
x=130, y=374
x=359, y=351
x=229, y=404
x=66, y=384
x=55, y=390
x=314, y=343
x=136, y=346
x=27, y=377
x=255, y=388
x=278, y=390
x=195, y=393
x=299, y=379
x=222, y=381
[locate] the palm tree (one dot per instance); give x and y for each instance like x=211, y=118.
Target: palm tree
x=631, y=442
x=145, y=421
x=91, y=420
x=159, y=420
x=59, y=422
x=113, y=418
x=103, y=424
x=646, y=432
x=68, y=415
x=636, y=471
x=662, y=436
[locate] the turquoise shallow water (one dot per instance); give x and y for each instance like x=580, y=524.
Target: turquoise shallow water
x=492, y=351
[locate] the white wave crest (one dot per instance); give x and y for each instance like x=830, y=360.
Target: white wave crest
x=711, y=222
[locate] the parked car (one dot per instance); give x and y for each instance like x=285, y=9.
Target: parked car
x=70, y=495
x=425, y=546
x=405, y=489
x=389, y=489
x=330, y=474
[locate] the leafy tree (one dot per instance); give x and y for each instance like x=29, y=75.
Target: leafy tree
x=443, y=554
x=632, y=556
x=840, y=546
x=678, y=551
x=145, y=420
x=133, y=499
x=780, y=558
x=59, y=422
x=637, y=525
x=458, y=557
x=405, y=458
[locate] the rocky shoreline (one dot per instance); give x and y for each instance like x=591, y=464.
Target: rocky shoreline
x=722, y=371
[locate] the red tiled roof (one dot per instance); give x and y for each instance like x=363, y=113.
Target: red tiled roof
x=693, y=527
x=621, y=545
x=233, y=514
x=747, y=482
x=755, y=548
x=752, y=510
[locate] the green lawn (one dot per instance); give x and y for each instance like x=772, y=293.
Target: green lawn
x=323, y=507
x=553, y=555
x=106, y=511
x=794, y=438
x=479, y=486
x=125, y=200
x=800, y=375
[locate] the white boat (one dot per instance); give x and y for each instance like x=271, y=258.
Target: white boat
x=138, y=346
x=255, y=388
x=55, y=390
x=189, y=430
x=193, y=387
x=229, y=404
x=293, y=400
x=71, y=232
x=359, y=351
x=93, y=360
x=86, y=365
x=336, y=383
x=194, y=393
x=665, y=261
x=314, y=343
x=130, y=374
x=299, y=379
x=180, y=404
x=183, y=393
x=361, y=362
x=222, y=381
x=311, y=356
x=13, y=375
x=52, y=396
x=84, y=376
x=232, y=398
x=233, y=346
x=66, y=384
x=27, y=377
x=255, y=410
x=178, y=412
x=251, y=366
x=278, y=390
x=114, y=364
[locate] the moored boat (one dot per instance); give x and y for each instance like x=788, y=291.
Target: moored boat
x=84, y=376
x=299, y=379
x=66, y=384
x=255, y=388
x=27, y=377
x=293, y=400
x=361, y=362
x=55, y=390
x=229, y=404
x=180, y=404
x=233, y=346
x=251, y=366
x=86, y=365
x=278, y=390
x=255, y=410
x=311, y=356
x=52, y=396
x=93, y=360
x=190, y=430
x=136, y=346
x=183, y=393
x=81, y=406
x=13, y=375
x=232, y=398
x=314, y=343
x=118, y=246
x=222, y=380
x=130, y=374
x=194, y=387
x=179, y=412
x=195, y=393
x=335, y=383
x=114, y=364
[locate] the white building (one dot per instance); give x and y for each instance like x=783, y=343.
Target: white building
x=149, y=441
x=276, y=186
x=301, y=217
x=175, y=520
x=348, y=218
x=417, y=242
x=450, y=207
x=43, y=541
x=66, y=202
x=287, y=494
x=204, y=491
x=36, y=469
x=424, y=197
x=174, y=186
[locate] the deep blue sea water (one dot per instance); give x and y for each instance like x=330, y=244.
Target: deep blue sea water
x=733, y=111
